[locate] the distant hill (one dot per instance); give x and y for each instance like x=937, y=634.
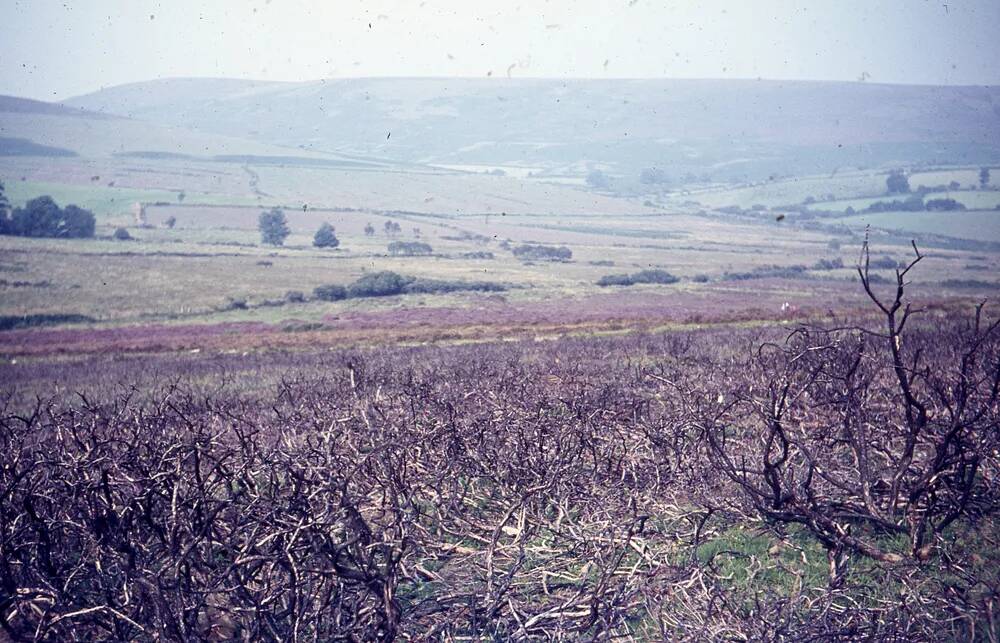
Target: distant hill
x=719, y=128
x=15, y=105
x=35, y=128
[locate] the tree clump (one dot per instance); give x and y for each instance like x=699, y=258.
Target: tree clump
x=943, y=205
x=42, y=217
x=897, y=183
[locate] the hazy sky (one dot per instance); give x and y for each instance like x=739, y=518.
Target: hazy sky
x=52, y=50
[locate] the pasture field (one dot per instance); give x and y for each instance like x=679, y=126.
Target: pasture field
x=971, y=199
x=211, y=268
x=835, y=191
x=200, y=270
x=981, y=225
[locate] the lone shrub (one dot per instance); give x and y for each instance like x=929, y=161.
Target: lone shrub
x=122, y=234
x=325, y=237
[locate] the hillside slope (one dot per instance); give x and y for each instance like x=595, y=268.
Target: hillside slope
x=29, y=127
x=727, y=129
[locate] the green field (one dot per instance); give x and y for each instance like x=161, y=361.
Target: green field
x=213, y=256
x=105, y=201
x=976, y=225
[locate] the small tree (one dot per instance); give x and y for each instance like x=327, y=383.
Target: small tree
x=78, y=223
x=273, y=227
x=984, y=177
x=170, y=222
x=598, y=179
x=369, y=230
x=121, y=234
x=392, y=228
x=897, y=183
x=325, y=237
x=181, y=196
x=652, y=176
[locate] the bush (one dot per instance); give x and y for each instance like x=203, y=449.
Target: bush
x=378, y=284
x=765, y=272
x=433, y=286
x=42, y=217
x=409, y=248
x=536, y=252
x=912, y=204
x=653, y=176
x=170, y=222
x=121, y=234
x=970, y=283
x=885, y=262
x=295, y=296
x=642, y=277
x=479, y=254
x=325, y=237
x=9, y=322
x=829, y=264
x=598, y=179
x=615, y=280
x=654, y=277
x=944, y=205
x=331, y=292
x=273, y=227
x=700, y=279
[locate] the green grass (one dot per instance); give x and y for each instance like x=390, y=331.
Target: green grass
x=976, y=225
x=105, y=201
x=973, y=200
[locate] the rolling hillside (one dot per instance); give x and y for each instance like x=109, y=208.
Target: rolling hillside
x=32, y=126
x=723, y=129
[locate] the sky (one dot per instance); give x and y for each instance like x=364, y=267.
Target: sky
x=53, y=50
